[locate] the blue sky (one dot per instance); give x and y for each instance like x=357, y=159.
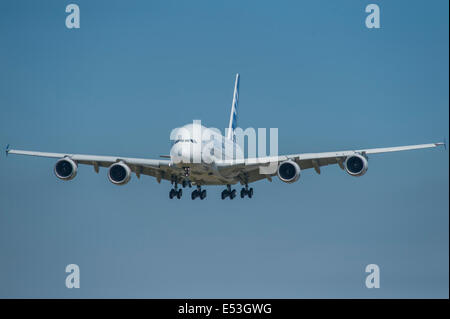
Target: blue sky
x=137, y=69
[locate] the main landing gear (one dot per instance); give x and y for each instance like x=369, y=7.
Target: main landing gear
x=198, y=193
x=175, y=192
x=246, y=191
x=228, y=192
x=201, y=193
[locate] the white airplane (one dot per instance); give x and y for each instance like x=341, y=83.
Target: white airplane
x=221, y=168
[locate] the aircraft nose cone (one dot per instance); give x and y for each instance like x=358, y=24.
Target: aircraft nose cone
x=181, y=153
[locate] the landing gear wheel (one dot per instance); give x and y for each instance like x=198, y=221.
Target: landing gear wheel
x=194, y=194
x=179, y=193
x=203, y=194
x=243, y=193
x=172, y=193
x=250, y=193
x=224, y=194
x=233, y=194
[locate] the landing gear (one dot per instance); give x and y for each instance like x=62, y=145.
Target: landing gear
x=201, y=193
x=198, y=193
x=246, y=191
x=224, y=194
x=186, y=182
x=228, y=192
x=175, y=192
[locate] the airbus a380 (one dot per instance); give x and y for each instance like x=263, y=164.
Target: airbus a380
x=220, y=168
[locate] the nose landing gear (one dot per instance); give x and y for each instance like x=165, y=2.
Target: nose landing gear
x=186, y=182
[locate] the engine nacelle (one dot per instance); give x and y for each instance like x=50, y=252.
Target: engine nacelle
x=288, y=171
x=65, y=169
x=356, y=165
x=119, y=173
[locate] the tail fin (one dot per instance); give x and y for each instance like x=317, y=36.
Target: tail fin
x=234, y=108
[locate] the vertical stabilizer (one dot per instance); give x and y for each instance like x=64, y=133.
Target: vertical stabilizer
x=234, y=108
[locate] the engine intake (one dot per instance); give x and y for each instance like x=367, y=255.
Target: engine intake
x=119, y=173
x=356, y=165
x=65, y=169
x=288, y=171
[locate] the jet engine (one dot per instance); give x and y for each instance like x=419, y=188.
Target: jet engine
x=288, y=171
x=119, y=173
x=65, y=169
x=356, y=165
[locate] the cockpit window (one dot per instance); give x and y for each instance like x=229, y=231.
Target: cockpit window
x=185, y=140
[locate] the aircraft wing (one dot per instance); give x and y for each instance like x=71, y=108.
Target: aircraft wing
x=246, y=170
x=254, y=169
x=161, y=169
